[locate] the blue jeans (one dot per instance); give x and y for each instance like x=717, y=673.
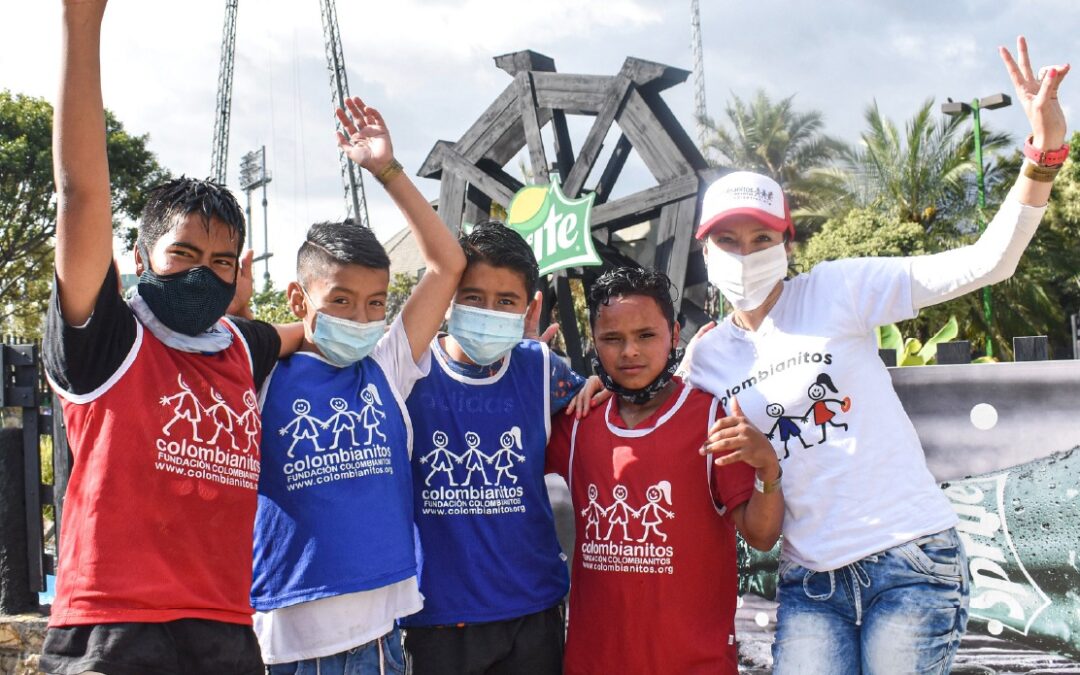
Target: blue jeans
x=903, y=610
x=362, y=660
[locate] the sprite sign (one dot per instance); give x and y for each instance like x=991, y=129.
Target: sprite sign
x=557, y=228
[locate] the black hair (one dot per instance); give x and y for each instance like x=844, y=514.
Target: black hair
x=338, y=243
x=497, y=245
x=624, y=281
x=169, y=202
x=344, y=243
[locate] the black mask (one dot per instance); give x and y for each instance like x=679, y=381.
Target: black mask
x=187, y=302
x=646, y=393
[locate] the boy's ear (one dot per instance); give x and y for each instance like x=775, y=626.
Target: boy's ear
x=140, y=265
x=294, y=296
x=675, y=330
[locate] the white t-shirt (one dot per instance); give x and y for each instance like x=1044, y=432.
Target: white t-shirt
x=332, y=625
x=855, y=478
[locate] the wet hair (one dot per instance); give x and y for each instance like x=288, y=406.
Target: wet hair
x=624, y=281
x=338, y=243
x=168, y=203
x=497, y=245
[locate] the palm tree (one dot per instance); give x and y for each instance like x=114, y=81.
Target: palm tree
x=773, y=138
x=926, y=175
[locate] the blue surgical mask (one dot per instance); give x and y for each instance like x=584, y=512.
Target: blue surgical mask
x=345, y=342
x=485, y=335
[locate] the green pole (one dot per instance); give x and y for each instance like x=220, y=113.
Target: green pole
x=988, y=311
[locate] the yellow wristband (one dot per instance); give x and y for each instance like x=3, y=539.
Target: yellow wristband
x=389, y=172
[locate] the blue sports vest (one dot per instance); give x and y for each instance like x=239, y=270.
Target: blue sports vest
x=486, y=528
x=335, y=494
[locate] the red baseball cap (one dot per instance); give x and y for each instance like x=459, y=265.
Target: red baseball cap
x=744, y=193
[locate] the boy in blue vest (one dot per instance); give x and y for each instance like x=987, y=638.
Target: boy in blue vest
x=493, y=574
x=335, y=559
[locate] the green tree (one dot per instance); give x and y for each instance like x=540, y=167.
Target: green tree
x=401, y=287
x=774, y=139
x=271, y=305
x=28, y=201
x=924, y=175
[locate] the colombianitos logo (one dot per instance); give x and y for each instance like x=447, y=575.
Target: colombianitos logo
x=205, y=439
x=342, y=444
x=472, y=481
x=558, y=229
x=619, y=548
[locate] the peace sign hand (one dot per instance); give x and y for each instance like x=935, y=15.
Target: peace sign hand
x=1038, y=96
x=366, y=139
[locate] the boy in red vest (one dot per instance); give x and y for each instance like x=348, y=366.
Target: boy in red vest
x=653, y=585
x=159, y=399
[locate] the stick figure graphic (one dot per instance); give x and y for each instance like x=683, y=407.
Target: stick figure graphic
x=822, y=414
x=187, y=408
x=343, y=419
x=249, y=421
x=369, y=414
x=504, y=457
x=223, y=416
x=473, y=458
x=304, y=426
x=592, y=511
x=618, y=513
x=650, y=513
x=441, y=459
x=786, y=426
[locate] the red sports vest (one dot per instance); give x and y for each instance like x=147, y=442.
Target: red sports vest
x=653, y=585
x=160, y=506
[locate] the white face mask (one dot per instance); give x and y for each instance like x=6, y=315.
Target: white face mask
x=746, y=280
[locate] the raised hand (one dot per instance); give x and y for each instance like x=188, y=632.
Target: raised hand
x=365, y=140
x=1038, y=94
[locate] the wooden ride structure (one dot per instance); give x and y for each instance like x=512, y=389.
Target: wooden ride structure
x=473, y=175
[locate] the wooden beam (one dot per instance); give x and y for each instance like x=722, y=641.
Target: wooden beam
x=462, y=168
x=646, y=201
x=526, y=59
x=451, y=200
x=654, y=75
x=612, y=170
x=495, y=170
x=580, y=94
x=492, y=125
x=526, y=99
x=673, y=236
x=568, y=322
x=651, y=140
x=564, y=149
x=590, y=150
x=687, y=146
x=477, y=206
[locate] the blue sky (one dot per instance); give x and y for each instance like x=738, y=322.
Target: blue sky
x=428, y=66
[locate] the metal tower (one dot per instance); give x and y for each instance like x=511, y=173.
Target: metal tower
x=220, y=152
x=699, y=70
x=351, y=178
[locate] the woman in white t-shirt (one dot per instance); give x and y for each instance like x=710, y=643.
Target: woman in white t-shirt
x=872, y=577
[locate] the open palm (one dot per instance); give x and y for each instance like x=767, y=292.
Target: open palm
x=365, y=138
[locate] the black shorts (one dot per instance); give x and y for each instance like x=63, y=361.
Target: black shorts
x=530, y=644
x=183, y=647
